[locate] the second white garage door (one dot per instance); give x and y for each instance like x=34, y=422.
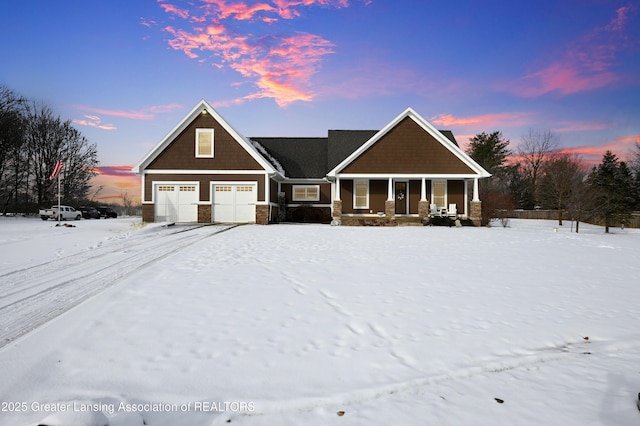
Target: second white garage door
x=234, y=202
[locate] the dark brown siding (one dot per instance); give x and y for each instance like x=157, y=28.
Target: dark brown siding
x=273, y=185
x=414, y=195
x=407, y=148
x=205, y=180
x=346, y=195
x=228, y=154
x=377, y=195
x=325, y=193
x=455, y=194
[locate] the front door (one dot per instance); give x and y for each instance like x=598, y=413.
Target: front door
x=401, y=197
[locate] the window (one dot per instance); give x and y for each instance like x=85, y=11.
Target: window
x=306, y=193
x=440, y=193
x=361, y=194
x=204, y=143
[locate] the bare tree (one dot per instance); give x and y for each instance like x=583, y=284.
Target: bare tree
x=49, y=139
x=560, y=181
x=12, y=155
x=536, y=146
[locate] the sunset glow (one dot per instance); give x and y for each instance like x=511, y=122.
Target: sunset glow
x=127, y=75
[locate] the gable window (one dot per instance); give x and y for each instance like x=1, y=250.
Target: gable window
x=440, y=193
x=204, y=143
x=361, y=194
x=306, y=193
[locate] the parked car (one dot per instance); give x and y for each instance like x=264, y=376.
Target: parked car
x=89, y=212
x=107, y=212
x=65, y=212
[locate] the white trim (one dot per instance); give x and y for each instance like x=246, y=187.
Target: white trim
x=203, y=108
x=354, y=195
x=205, y=172
x=380, y=176
x=296, y=186
x=200, y=132
x=428, y=127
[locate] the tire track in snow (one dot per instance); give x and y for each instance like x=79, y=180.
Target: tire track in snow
x=32, y=296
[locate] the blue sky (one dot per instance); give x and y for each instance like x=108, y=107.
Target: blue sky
x=126, y=72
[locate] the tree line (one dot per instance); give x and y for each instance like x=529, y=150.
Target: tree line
x=537, y=174
x=32, y=139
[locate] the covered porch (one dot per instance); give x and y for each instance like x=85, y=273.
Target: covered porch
x=408, y=199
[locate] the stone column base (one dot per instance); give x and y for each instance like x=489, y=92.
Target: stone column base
x=337, y=210
x=204, y=213
x=262, y=214
x=476, y=212
x=423, y=209
x=390, y=209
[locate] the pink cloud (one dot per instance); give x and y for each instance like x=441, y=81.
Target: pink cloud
x=147, y=113
x=94, y=121
x=279, y=66
x=486, y=120
x=586, y=64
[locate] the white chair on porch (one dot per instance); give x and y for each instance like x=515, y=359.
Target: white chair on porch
x=433, y=209
x=452, y=210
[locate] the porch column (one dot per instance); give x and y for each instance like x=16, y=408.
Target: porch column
x=336, y=212
x=390, y=204
x=476, y=205
x=423, y=204
x=476, y=195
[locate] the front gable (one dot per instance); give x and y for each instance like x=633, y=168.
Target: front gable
x=177, y=151
x=409, y=145
x=180, y=154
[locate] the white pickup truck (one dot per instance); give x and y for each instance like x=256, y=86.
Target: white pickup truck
x=66, y=212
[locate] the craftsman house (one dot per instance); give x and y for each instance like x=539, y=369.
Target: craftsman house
x=205, y=171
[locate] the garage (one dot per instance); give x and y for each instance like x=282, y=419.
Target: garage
x=176, y=202
x=234, y=202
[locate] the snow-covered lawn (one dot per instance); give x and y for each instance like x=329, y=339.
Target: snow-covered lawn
x=317, y=325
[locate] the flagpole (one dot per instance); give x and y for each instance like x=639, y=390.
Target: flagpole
x=59, y=212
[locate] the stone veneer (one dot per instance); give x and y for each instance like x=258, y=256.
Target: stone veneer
x=337, y=210
x=476, y=213
x=204, y=213
x=423, y=209
x=390, y=209
x=262, y=214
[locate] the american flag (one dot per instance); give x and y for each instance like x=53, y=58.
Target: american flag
x=56, y=170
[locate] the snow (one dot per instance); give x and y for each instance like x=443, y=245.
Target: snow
x=297, y=324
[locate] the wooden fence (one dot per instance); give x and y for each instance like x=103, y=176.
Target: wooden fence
x=634, y=222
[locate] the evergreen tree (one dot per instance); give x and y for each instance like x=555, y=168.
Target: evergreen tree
x=612, y=191
x=491, y=152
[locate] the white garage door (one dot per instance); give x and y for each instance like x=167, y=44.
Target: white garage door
x=234, y=202
x=176, y=203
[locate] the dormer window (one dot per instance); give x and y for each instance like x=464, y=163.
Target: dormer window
x=204, y=143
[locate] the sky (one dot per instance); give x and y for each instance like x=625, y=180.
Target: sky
x=127, y=72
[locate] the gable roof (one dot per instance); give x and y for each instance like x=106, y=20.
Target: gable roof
x=201, y=107
x=446, y=142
